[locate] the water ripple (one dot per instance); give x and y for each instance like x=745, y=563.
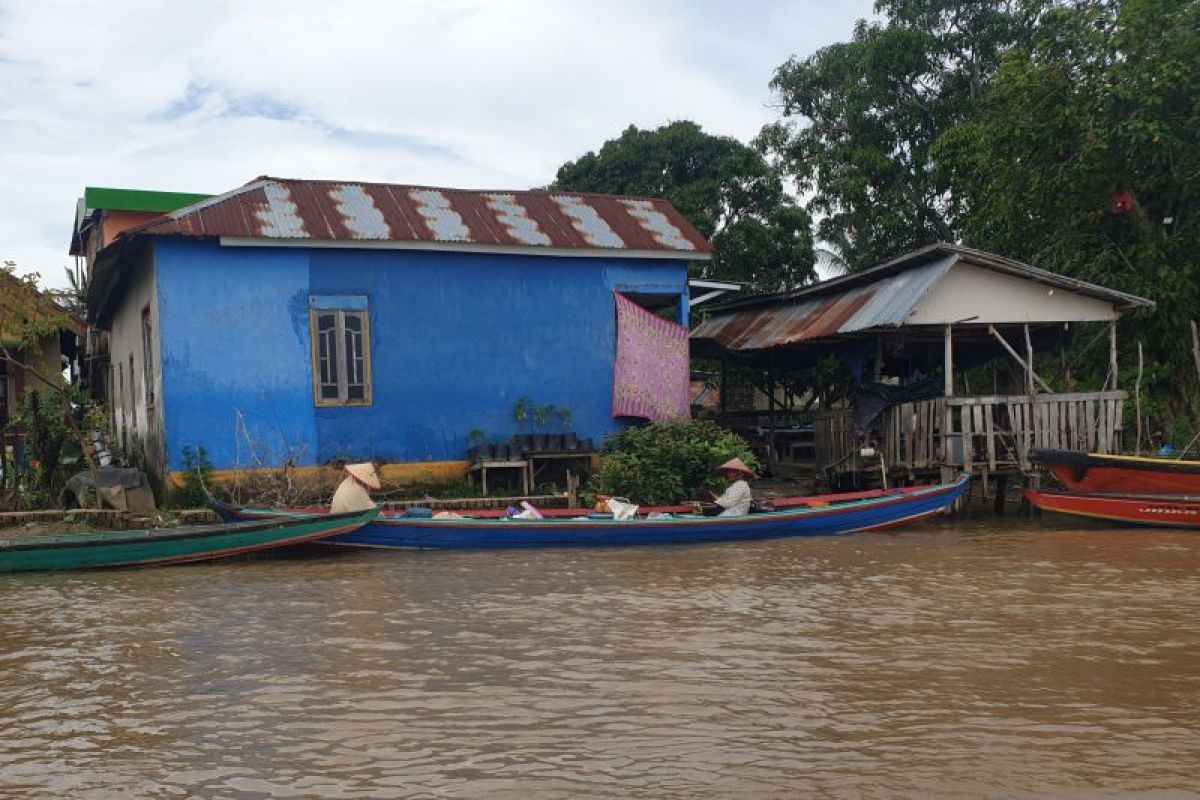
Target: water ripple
x=953, y=661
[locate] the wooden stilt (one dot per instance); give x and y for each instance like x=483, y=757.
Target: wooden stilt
x=1137, y=400
x=1112, y=354
x=1029, y=389
x=1196, y=347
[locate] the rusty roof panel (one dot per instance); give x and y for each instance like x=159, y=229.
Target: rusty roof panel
x=277, y=208
x=887, y=302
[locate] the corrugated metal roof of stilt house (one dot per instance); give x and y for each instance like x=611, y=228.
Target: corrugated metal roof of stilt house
x=279, y=210
x=878, y=298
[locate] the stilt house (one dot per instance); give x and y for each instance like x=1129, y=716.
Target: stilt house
x=911, y=331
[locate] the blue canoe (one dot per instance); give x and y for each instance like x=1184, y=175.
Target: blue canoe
x=832, y=518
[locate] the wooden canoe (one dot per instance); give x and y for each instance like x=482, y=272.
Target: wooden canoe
x=170, y=545
x=1157, y=511
x=1094, y=473
x=828, y=518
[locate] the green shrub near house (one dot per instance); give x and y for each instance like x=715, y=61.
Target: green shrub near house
x=666, y=462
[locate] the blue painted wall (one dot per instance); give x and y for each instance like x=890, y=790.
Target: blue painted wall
x=456, y=339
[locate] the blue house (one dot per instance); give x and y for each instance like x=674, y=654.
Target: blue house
x=313, y=321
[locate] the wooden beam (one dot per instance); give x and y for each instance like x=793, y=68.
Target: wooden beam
x=723, y=398
x=1196, y=348
x=992, y=330
x=1137, y=399
x=1097, y=336
x=948, y=362
x=1028, y=361
x=1112, y=353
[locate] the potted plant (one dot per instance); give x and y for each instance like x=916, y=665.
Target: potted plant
x=541, y=418
x=479, y=449
x=570, y=440
x=521, y=411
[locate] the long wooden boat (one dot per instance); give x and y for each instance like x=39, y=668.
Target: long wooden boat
x=830, y=517
x=170, y=545
x=1093, y=473
x=1158, y=511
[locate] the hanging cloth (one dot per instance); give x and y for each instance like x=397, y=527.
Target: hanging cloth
x=652, y=372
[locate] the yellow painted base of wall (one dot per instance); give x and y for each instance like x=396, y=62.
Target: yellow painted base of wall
x=424, y=472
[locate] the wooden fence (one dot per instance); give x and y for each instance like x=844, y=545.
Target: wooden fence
x=993, y=432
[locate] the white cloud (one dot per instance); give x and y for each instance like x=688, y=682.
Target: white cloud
x=205, y=96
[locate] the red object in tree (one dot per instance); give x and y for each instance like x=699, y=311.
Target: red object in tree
x=1120, y=202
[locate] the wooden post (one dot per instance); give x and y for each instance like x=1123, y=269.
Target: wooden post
x=772, y=456
x=878, y=358
x=820, y=382
x=1137, y=399
x=724, y=396
x=948, y=362
x=1068, y=382
x=1029, y=388
x=1112, y=353
x=1196, y=348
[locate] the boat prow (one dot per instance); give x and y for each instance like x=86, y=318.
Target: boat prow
x=1157, y=511
x=1097, y=473
x=171, y=545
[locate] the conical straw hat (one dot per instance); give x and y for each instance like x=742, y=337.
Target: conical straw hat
x=364, y=474
x=736, y=465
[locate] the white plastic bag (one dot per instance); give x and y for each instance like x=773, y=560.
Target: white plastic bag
x=622, y=508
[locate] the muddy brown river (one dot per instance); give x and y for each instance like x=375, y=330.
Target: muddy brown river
x=997, y=659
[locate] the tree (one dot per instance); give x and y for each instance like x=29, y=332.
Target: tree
x=722, y=186
x=27, y=317
x=860, y=118
x=1085, y=158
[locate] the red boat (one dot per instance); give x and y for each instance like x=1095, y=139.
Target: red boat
x=1150, y=510
x=1093, y=473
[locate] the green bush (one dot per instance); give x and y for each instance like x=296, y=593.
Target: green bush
x=197, y=474
x=666, y=462
x=49, y=420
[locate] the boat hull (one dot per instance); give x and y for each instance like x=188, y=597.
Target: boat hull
x=170, y=545
x=1156, y=512
x=1089, y=473
x=834, y=518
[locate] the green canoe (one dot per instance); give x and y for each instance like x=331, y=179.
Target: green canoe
x=169, y=545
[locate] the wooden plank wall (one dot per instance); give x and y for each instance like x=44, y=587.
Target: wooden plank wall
x=998, y=432
x=834, y=440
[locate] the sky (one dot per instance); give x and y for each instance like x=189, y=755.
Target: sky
x=203, y=97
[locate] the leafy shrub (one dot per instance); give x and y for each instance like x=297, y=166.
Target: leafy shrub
x=666, y=462
x=50, y=421
x=197, y=474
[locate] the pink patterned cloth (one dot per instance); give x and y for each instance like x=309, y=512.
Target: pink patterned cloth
x=652, y=370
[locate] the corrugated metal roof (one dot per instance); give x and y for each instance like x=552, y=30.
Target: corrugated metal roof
x=277, y=208
x=887, y=302
x=956, y=253
x=881, y=297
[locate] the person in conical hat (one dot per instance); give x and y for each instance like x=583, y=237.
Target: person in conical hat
x=352, y=494
x=736, y=499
